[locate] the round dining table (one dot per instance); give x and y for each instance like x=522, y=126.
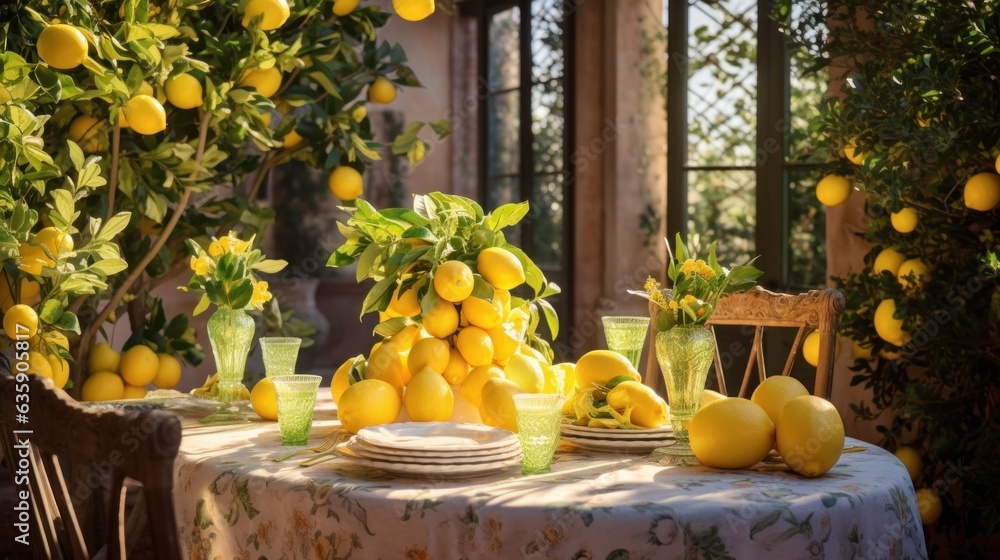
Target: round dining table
x=233, y=500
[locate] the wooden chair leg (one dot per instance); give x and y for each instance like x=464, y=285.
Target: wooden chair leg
x=116, y=517
x=162, y=522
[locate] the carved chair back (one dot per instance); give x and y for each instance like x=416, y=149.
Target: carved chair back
x=140, y=445
x=760, y=308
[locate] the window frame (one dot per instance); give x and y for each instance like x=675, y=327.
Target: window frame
x=773, y=118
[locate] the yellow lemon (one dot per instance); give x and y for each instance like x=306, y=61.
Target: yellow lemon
x=441, y=320
x=888, y=259
x=62, y=46
x=168, y=371
x=910, y=458
x=535, y=353
x=413, y=10
x=888, y=327
x=555, y=379
x=102, y=386
x=406, y=338
x=996, y=163
x=33, y=259
x=475, y=346
x=915, y=269
x=507, y=337
x=568, y=370
x=504, y=297
x=370, y=402
x=275, y=13
x=264, y=399
x=145, y=115
x=500, y=268
x=709, y=395
x=648, y=409
x=58, y=242
x=810, y=435
x=527, y=372
x=341, y=379
x=406, y=303
x=38, y=364
x=133, y=392
x=60, y=370
x=292, y=140
x=388, y=364
x=982, y=191
x=833, y=190
x=458, y=368
x=184, y=91
x=905, y=220
x=346, y=183
x=344, y=7
x=103, y=358
x=731, y=434
x=775, y=392
x=266, y=81
x=432, y=353
x=428, y=398
x=139, y=365
x=20, y=322
x=481, y=313
x=83, y=130
x=381, y=91
x=496, y=406
x=810, y=348
x=852, y=153
x=929, y=505
x=453, y=281
x=600, y=366
x=472, y=388
x=861, y=351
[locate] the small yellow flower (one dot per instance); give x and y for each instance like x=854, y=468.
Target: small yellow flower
x=215, y=249
x=260, y=294
x=201, y=265
x=652, y=288
x=239, y=247
x=689, y=299
x=673, y=305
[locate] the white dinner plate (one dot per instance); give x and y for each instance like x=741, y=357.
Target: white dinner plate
x=437, y=436
x=618, y=446
x=476, y=454
x=610, y=433
x=366, y=452
x=446, y=472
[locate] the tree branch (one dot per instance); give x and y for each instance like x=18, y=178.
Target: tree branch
x=288, y=83
x=113, y=181
x=86, y=340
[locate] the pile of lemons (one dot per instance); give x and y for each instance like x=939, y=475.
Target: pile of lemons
x=735, y=433
x=464, y=347
x=20, y=323
x=126, y=375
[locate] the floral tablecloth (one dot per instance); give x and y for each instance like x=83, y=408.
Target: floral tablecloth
x=233, y=502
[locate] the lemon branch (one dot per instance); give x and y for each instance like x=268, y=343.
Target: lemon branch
x=113, y=180
x=88, y=336
x=288, y=82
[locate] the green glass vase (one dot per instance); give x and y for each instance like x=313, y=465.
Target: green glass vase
x=685, y=354
x=231, y=332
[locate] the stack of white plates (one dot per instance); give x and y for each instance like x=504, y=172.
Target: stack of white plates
x=642, y=440
x=434, y=449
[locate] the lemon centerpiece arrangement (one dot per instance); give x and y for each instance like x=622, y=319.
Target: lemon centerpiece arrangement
x=459, y=310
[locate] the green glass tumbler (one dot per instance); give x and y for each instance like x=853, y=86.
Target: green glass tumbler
x=280, y=354
x=538, y=417
x=627, y=336
x=296, y=402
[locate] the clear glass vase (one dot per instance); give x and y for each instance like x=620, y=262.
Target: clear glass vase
x=685, y=354
x=231, y=332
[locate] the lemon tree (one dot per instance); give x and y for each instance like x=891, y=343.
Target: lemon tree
x=928, y=334
x=118, y=117
x=449, y=251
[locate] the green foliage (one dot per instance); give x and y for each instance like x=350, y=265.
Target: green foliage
x=131, y=201
x=401, y=248
x=922, y=106
x=227, y=273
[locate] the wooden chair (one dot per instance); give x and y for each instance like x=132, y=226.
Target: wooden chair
x=760, y=308
x=140, y=445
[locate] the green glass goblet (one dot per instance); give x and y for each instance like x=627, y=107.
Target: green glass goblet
x=627, y=336
x=296, y=402
x=280, y=354
x=538, y=417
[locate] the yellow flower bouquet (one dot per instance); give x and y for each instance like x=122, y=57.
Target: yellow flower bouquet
x=226, y=273
x=697, y=286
